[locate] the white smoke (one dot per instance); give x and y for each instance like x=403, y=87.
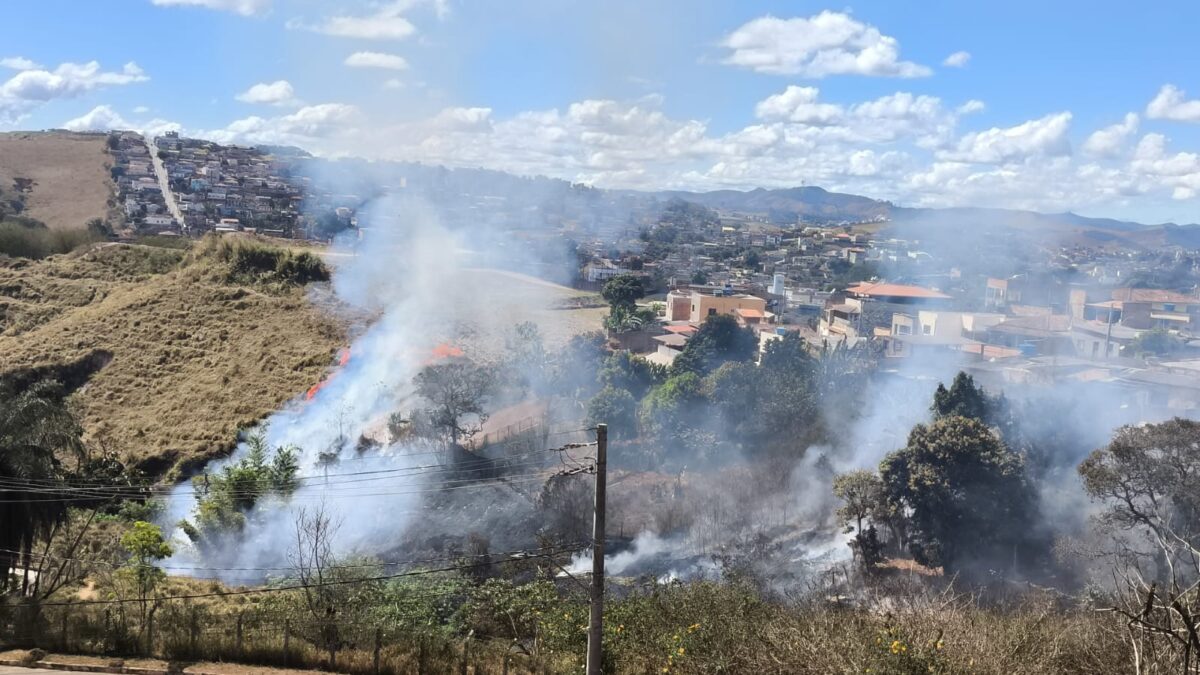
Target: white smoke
x=412, y=276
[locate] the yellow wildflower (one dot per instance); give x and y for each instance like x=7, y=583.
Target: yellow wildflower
x=897, y=646
x=681, y=651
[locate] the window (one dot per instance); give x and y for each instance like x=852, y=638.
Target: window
x=926, y=329
x=1168, y=307
x=712, y=311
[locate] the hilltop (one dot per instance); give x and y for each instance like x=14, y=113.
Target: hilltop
x=193, y=355
x=60, y=178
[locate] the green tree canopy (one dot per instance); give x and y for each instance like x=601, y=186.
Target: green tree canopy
x=964, y=494
x=719, y=340
x=623, y=291
x=617, y=408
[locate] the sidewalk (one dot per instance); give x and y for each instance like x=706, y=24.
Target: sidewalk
x=11, y=664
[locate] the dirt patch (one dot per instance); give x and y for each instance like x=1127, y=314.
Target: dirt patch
x=64, y=176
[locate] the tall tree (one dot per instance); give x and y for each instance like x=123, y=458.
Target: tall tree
x=35, y=429
x=965, y=496
x=1148, y=481
x=457, y=391
x=622, y=291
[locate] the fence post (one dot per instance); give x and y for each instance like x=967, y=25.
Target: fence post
x=195, y=632
x=466, y=657
x=107, y=626
x=422, y=657
x=239, y=634
x=378, y=646
x=150, y=633
x=66, y=612
x=287, y=638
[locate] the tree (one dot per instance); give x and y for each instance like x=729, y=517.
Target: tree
x=962, y=399
x=622, y=291
x=223, y=499
x=35, y=429
x=615, y=407
x=631, y=373
x=964, y=495
x=864, y=500
x=457, y=391
x=1148, y=480
x=699, y=278
x=527, y=358
x=719, y=340
x=145, y=546
x=674, y=406
x=1157, y=342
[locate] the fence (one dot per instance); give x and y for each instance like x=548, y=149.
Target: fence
x=183, y=632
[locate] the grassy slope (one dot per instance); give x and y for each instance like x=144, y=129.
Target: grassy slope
x=194, y=357
x=71, y=180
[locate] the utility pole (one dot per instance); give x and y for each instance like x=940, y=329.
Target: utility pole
x=596, y=620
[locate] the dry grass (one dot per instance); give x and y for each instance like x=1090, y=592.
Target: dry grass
x=194, y=357
x=71, y=182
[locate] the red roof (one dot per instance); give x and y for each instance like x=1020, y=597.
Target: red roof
x=749, y=313
x=895, y=291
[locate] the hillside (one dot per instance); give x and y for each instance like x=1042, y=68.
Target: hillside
x=193, y=356
x=61, y=177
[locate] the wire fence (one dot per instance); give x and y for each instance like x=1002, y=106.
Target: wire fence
x=188, y=632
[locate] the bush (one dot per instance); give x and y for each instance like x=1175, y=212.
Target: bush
x=23, y=237
x=250, y=261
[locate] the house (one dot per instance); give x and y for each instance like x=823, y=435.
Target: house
x=1148, y=308
x=866, y=306
x=696, y=306
x=603, y=270
x=928, y=330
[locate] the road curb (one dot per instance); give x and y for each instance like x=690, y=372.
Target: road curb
x=86, y=668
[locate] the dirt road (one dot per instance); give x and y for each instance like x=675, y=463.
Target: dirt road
x=163, y=182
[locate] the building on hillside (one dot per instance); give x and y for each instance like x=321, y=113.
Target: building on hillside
x=867, y=306
x=1148, y=309
x=929, y=330
x=696, y=306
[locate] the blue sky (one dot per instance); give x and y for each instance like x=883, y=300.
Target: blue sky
x=1091, y=107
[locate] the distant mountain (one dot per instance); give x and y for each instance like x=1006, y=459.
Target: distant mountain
x=814, y=204
x=790, y=204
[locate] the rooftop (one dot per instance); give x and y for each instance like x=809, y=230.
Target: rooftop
x=895, y=291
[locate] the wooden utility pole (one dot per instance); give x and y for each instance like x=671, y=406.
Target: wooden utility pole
x=596, y=621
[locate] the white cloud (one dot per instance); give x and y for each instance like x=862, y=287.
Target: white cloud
x=279, y=92
x=798, y=104
x=387, y=22
x=376, y=60
x=1110, y=141
x=307, y=126
x=141, y=110
x=957, y=60
x=1172, y=104
x=100, y=118
x=243, y=7
x=1046, y=136
x=830, y=43
x=31, y=88
x=105, y=118
x=18, y=63
x=970, y=107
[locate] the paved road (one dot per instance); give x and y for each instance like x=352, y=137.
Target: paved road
x=163, y=182
x=13, y=670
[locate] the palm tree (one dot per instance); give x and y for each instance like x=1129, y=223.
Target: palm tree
x=35, y=427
